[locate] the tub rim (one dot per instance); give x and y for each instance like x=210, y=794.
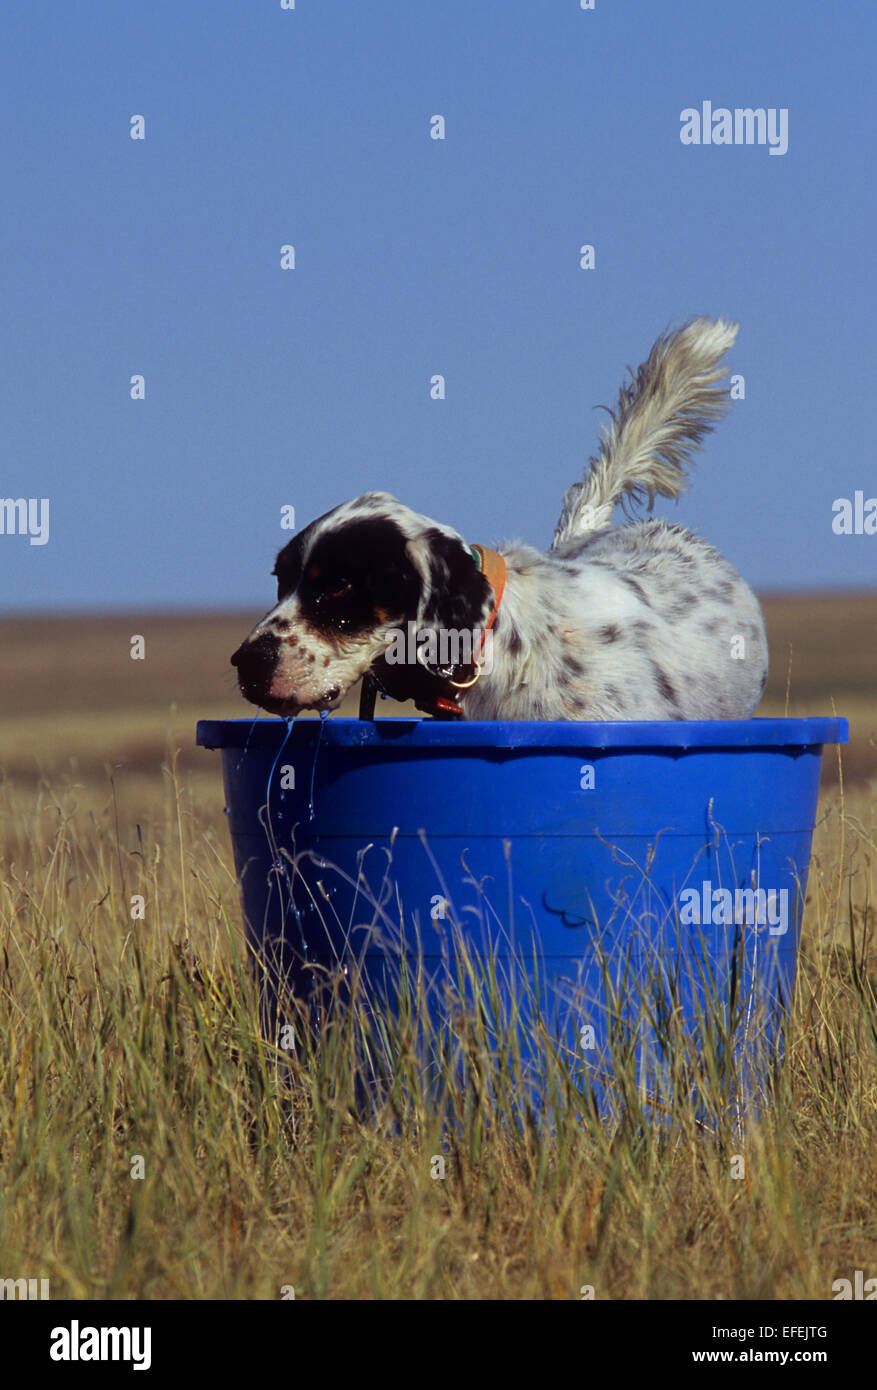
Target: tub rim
x=271, y=734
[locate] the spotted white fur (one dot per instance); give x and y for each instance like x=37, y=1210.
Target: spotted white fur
x=641, y=621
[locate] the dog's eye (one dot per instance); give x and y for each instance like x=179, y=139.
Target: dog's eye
x=338, y=590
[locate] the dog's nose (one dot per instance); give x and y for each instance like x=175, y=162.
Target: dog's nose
x=255, y=661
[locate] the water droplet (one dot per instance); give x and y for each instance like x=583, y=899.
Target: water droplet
x=323, y=717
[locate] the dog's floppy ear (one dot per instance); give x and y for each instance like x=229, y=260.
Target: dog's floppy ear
x=456, y=596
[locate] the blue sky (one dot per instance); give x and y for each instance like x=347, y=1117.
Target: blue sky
x=414, y=256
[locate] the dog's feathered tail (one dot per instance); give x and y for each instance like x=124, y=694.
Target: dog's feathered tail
x=663, y=412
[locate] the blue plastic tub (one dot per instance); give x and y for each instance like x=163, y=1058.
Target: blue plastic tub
x=629, y=862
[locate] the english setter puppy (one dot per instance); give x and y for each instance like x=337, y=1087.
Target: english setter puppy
x=639, y=621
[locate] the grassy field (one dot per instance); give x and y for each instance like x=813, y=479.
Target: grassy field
x=73, y=702
x=152, y=1146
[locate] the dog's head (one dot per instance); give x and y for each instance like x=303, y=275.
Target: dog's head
x=346, y=585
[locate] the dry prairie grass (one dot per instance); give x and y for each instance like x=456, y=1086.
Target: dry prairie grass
x=126, y=1039
x=73, y=701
